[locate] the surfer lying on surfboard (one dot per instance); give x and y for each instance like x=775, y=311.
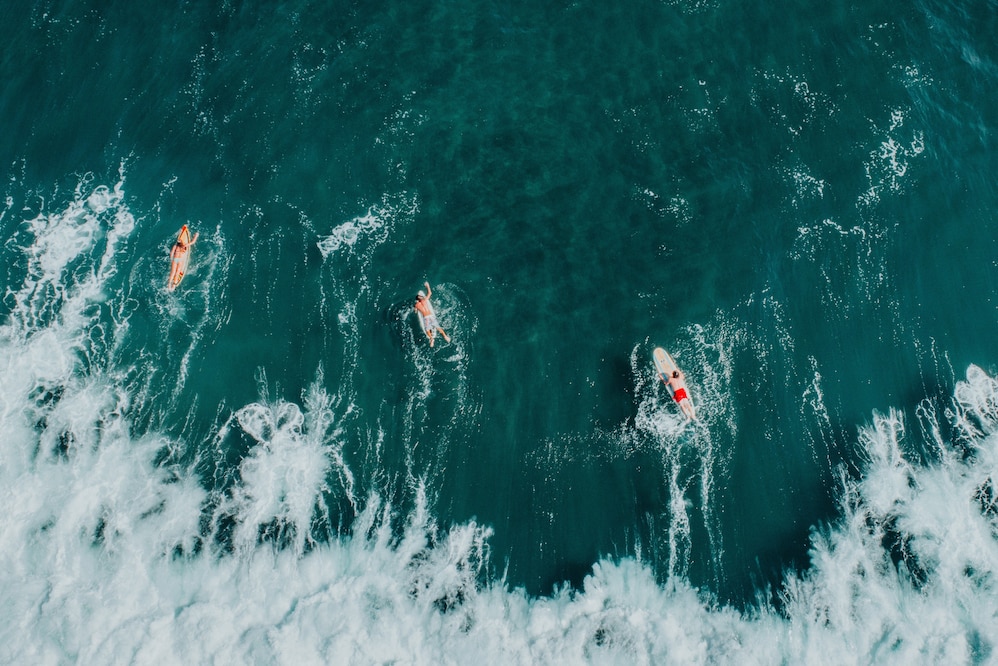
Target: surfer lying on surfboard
x=674, y=378
x=427, y=317
x=179, y=256
x=677, y=382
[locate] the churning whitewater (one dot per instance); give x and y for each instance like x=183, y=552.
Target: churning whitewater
x=123, y=540
x=269, y=463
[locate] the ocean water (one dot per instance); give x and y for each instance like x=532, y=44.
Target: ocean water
x=271, y=465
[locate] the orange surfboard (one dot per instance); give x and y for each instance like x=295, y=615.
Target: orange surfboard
x=179, y=260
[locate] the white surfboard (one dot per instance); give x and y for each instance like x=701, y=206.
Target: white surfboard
x=178, y=266
x=666, y=365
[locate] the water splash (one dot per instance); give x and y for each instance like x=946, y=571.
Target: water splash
x=113, y=551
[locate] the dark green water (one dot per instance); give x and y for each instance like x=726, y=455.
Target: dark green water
x=796, y=200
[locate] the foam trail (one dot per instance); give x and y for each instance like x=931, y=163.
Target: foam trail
x=197, y=308
x=668, y=431
x=689, y=454
x=440, y=381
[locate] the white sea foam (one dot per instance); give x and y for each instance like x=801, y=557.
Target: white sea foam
x=675, y=207
x=374, y=227
x=802, y=106
x=112, y=555
x=859, y=260
x=690, y=460
x=806, y=187
x=888, y=164
x=283, y=477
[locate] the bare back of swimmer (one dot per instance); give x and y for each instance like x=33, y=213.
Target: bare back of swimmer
x=677, y=381
x=180, y=248
x=429, y=317
x=178, y=254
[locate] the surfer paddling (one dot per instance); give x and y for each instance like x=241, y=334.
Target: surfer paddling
x=674, y=378
x=677, y=382
x=427, y=317
x=180, y=248
x=178, y=256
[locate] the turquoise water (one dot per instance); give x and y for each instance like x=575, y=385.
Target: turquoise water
x=271, y=465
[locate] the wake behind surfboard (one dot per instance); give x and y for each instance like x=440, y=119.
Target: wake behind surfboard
x=666, y=365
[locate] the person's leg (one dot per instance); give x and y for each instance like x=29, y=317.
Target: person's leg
x=688, y=408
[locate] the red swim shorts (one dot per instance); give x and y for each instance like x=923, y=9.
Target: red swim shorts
x=680, y=395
